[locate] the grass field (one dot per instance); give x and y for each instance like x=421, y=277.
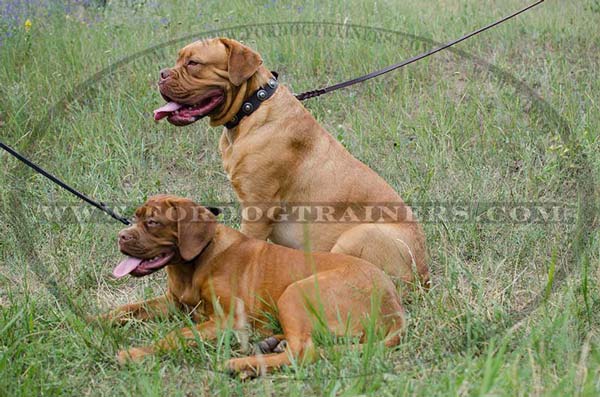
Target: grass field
x=512, y=119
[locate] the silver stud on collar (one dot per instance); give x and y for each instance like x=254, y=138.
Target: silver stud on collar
x=261, y=95
x=272, y=83
x=247, y=108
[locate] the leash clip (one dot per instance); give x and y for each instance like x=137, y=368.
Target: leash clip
x=104, y=207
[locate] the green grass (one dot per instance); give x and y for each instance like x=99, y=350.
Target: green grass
x=514, y=307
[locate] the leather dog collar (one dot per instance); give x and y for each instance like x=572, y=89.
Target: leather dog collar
x=253, y=102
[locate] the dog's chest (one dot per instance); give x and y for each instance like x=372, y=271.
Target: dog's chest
x=250, y=165
x=287, y=234
x=182, y=289
x=194, y=304
x=189, y=297
x=231, y=162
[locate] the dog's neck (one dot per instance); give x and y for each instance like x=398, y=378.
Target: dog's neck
x=237, y=96
x=282, y=106
x=182, y=275
x=224, y=238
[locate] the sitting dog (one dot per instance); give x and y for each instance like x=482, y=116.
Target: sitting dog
x=230, y=280
x=274, y=151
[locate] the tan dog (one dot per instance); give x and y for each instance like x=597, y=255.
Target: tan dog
x=280, y=154
x=229, y=279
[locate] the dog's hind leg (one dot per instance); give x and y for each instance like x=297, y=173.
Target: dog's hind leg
x=397, y=249
x=297, y=348
x=334, y=301
x=297, y=328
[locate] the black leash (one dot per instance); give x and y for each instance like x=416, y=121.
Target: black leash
x=305, y=95
x=101, y=206
x=321, y=91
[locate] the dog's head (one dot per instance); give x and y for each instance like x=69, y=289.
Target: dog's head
x=167, y=230
x=204, y=80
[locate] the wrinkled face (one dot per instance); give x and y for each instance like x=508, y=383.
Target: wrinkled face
x=203, y=79
x=167, y=230
x=195, y=86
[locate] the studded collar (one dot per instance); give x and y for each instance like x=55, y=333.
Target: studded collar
x=254, y=101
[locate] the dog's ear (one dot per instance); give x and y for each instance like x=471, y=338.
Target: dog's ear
x=242, y=62
x=195, y=229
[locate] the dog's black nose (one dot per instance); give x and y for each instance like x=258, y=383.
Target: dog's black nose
x=165, y=73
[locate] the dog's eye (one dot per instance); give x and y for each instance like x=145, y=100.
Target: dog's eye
x=152, y=223
x=192, y=63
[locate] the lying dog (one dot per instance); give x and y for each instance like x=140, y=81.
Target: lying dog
x=228, y=277
x=276, y=152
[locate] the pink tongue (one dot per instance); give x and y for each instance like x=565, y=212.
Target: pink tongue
x=166, y=110
x=126, y=266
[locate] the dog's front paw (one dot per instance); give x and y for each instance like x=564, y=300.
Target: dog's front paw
x=239, y=368
x=134, y=354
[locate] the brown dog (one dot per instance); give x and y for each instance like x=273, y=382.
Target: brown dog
x=230, y=279
x=280, y=154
